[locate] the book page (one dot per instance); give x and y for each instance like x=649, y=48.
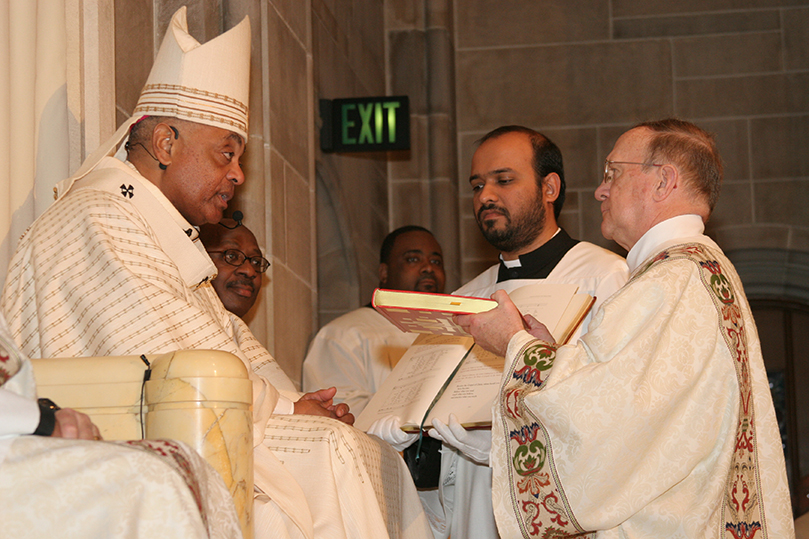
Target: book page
x=547, y=303
x=575, y=314
x=421, y=373
x=472, y=391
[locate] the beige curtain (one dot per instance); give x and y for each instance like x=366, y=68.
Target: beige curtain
x=34, y=119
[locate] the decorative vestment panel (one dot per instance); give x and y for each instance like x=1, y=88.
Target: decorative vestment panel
x=658, y=423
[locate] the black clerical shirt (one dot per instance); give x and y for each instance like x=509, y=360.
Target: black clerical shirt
x=540, y=262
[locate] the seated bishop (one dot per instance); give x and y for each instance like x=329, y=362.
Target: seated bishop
x=116, y=267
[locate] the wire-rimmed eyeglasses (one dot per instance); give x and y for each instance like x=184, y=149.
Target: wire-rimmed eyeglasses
x=609, y=173
x=234, y=257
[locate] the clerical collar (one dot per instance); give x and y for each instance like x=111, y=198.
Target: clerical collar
x=673, y=231
x=540, y=262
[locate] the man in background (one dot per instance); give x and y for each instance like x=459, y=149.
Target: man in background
x=358, y=350
x=659, y=421
x=239, y=263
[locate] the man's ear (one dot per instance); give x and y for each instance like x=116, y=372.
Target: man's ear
x=551, y=185
x=668, y=179
x=383, y=273
x=162, y=142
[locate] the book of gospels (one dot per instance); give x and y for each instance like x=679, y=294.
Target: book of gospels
x=443, y=371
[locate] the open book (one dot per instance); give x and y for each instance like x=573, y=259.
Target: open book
x=441, y=374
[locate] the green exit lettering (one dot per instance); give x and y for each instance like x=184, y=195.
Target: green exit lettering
x=372, y=122
x=347, y=124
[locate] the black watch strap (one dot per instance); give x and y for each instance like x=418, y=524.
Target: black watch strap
x=47, y=417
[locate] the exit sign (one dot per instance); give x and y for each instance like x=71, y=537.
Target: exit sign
x=367, y=124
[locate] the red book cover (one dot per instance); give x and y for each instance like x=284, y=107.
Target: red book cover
x=424, y=312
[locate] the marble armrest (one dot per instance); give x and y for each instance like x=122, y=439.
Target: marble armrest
x=200, y=397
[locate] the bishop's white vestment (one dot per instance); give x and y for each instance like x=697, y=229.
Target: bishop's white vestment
x=54, y=487
x=354, y=353
x=112, y=268
x=462, y=506
x=657, y=423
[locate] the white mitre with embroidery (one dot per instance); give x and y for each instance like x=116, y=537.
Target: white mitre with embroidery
x=207, y=84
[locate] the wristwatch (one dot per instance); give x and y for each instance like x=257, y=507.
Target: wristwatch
x=47, y=417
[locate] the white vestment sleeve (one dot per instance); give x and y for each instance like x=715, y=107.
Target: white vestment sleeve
x=336, y=362
x=18, y=414
x=354, y=353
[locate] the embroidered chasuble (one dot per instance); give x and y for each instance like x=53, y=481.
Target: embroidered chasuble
x=657, y=423
x=112, y=268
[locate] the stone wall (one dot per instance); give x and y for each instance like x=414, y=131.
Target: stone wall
x=283, y=190
x=582, y=71
x=424, y=181
x=352, y=188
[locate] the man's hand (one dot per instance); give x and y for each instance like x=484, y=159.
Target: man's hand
x=389, y=429
x=493, y=329
x=475, y=444
x=321, y=402
x=537, y=329
x=74, y=425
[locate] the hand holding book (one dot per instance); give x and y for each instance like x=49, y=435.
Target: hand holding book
x=494, y=329
x=440, y=374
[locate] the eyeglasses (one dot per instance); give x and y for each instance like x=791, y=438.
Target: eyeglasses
x=609, y=174
x=234, y=257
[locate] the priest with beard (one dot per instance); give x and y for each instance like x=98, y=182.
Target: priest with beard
x=518, y=185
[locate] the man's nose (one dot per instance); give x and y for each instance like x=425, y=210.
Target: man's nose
x=247, y=269
x=602, y=191
x=236, y=174
x=487, y=193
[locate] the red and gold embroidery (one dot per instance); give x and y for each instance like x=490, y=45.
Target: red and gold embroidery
x=537, y=498
x=742, y=513
x=9, y=362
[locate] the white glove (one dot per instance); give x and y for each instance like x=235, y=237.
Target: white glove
x=475, y=444
x=389, y=428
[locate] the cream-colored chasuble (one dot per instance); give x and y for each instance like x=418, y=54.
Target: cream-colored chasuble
x=658, y=423
x=78, y=489
x=113, y=269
